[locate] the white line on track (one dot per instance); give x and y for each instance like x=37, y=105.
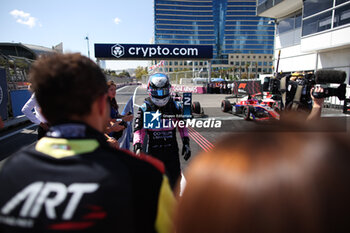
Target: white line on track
x=16, y=132
x=133, y=98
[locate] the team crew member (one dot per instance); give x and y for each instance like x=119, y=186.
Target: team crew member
x=162, y=142
x=36, y=116
x=72, y=180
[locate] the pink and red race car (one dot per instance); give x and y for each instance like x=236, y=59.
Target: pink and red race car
x=253, y=107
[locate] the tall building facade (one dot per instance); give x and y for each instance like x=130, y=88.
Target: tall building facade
x=240, y=39
x=311, y=34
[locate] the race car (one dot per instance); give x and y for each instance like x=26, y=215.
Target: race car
x=253, y=108
x=195, y=106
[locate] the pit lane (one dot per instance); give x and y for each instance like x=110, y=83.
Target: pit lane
x=201, y=139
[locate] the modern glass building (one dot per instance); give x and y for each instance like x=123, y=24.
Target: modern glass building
x=237, y=35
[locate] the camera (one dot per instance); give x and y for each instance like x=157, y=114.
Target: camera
x=293, y=91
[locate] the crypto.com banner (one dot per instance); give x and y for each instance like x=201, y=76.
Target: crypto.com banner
x=152, y=51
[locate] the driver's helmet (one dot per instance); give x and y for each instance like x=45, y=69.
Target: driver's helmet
x=159, y=89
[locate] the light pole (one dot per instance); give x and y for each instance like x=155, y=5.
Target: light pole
x=88, y=46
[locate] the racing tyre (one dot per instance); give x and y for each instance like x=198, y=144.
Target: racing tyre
x=196, y=107
x=225, y=106
x=246, y=113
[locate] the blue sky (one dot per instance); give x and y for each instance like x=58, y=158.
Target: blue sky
x=50, y=22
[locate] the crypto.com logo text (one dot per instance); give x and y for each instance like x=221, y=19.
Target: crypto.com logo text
x=148, y=52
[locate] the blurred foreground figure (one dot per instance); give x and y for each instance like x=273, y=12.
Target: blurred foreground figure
x=269, y=182
x=72, y=180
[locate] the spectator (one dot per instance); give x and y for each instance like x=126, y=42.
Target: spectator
x=229, y=88
x=36, y=117
x=115, y=129
x=208, y=88
x=72, y=180
x=269, y=183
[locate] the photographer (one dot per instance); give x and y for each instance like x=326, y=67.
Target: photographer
x=305, y=92
x=317, y=104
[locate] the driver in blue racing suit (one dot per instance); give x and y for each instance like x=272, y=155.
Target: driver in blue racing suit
x=162, y=142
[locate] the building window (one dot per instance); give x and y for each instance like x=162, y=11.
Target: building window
x=231, y=62
x=314, y=6
x=237, y=63
x=237, y=57
x=317, y=23
x=261, y=2
x=298, y=21
x=242, y=63
x=289, y=24
x=342, y=16
x=170, y=63
x=285, y=25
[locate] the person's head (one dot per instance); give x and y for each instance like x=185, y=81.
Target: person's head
x=269, y=182
x=159, y=88
x=68, y=87
x=112, y=88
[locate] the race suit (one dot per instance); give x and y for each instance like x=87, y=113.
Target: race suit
x=162, y=143
x=73, y=181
